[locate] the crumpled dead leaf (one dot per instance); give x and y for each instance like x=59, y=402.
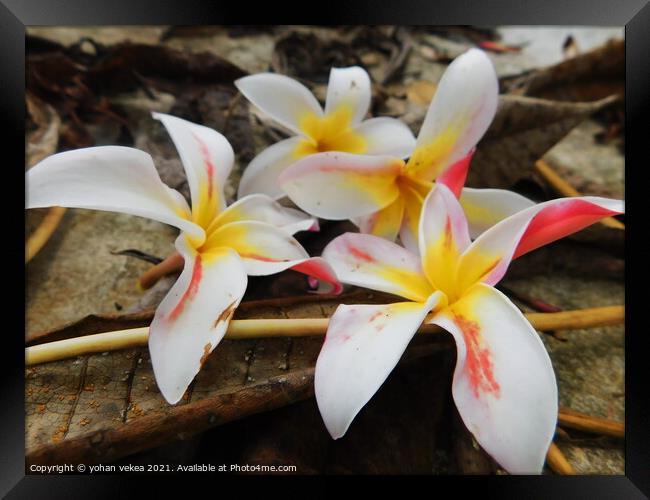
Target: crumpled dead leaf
x=523, y=129
x=588, y=76
x=100, y=407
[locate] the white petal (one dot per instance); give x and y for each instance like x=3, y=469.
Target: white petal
x=350, y=88
x=485, y=207
x=362, y=346
x=206, y=155
x=504, y=386
x=257, y=243
x=261, y=174
x=387, y=136
x=338, y=186
x=193, y=317
x=259, y=207
x=375, y=263
x=111, y=178
x=462, y=108
x=282, y=98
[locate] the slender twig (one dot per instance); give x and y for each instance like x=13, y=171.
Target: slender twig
x=579, y=318
x=579, y=421
x=566, y=189
x=262, y=328
x=38, y=238
x=558, y=462
x=171, y=264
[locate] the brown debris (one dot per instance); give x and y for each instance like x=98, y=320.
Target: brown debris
x=206, y=353
x=226, y=314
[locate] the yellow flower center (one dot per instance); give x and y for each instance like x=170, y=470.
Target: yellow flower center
x=332, y=132
x=429, y=160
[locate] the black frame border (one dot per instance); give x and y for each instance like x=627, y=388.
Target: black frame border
x=15, y=15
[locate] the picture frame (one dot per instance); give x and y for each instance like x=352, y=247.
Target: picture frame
x=15, y=15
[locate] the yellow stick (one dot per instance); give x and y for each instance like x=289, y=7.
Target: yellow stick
x=581, y=422
x=171, y=264
x=558, y=462
x=43, y=232
x=566, y=189
x=579, y=318
x=264, y=328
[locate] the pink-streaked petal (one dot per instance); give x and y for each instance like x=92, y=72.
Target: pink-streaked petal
x=261, y=174
x=265, y=249
x=362, y=346
x=489, y=256
x=257, y=243
x=462, y=108
x=454, y=176
x=504, y=386
x=282, y=98
x=207, y=158
x=259, y=207
x=375, y=263
x=320, y=274
x=110, y=178
x=561, y=218
x=348, y=88
x=386, y=136
x=443, y=236
x=194, y=316
x=338, y=186
x=385, y=223
x=484, y=208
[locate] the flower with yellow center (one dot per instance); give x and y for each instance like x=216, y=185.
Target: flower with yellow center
x=219, y=246
x=382, y=194
x=339, y=127
x=503, y=386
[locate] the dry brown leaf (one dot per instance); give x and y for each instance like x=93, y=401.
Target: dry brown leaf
x=100, y=407
x=586, y=77
x=523, y=129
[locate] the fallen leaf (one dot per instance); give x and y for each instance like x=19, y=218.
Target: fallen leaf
x=118, y=66
x=523, y=129
x=125, y=413
x=586, y=77
x=310, y=55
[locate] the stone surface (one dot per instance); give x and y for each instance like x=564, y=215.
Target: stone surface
x=75, y=273
x=590, y=167
x=542, y=45
x=102, y=34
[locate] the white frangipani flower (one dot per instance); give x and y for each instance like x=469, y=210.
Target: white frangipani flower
x=340, y=127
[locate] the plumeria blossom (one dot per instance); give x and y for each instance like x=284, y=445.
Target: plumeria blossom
x=220, y=245
x=339, y=127
x=382, y=194
x=504, y=385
